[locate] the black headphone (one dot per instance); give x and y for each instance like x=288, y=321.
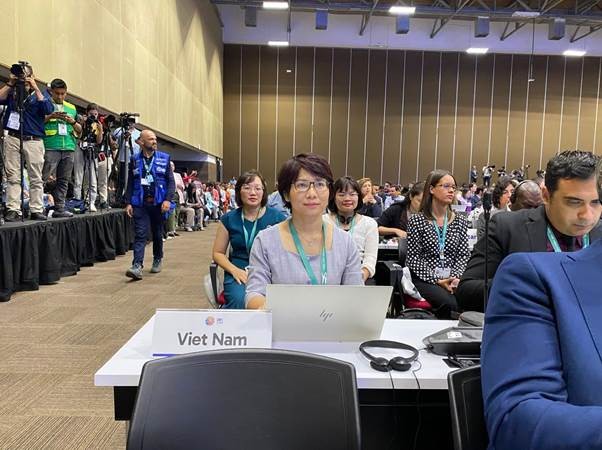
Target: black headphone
x=515, y=192
x=399, y=363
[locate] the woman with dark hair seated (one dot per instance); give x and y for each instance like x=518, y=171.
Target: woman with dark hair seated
x=438, y=244
x=238, y=229
x=305, y=249
x=343, y=210
x=371, y=205
x=500, y=197
x=394, y=221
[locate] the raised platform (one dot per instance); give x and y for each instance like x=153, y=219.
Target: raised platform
x=34, y=253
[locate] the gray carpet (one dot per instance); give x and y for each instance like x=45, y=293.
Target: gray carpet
x=52, y=341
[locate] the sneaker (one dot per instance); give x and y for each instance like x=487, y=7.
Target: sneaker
x=93, y=208
x=104, y=205
x=156, y=266
x=12, y=216
x=37, y=216
x=188, y=228
x=134, y=272
x=59, y=214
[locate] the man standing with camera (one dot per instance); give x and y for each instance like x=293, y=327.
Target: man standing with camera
x=35, y=108
x=150, y=188
x=60, y=142
x=85, y=158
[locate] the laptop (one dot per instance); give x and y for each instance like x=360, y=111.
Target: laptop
x=327, y=313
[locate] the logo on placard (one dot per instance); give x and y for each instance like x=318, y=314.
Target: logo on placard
x=209, y=320
x=220, y=321
x=324, y=315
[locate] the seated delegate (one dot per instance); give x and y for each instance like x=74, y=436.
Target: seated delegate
x=304, y=249
x=394, y=221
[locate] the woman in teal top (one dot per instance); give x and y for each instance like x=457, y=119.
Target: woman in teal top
x=251, y=194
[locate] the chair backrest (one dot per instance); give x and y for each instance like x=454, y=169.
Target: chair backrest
x=466, y=404
x=242, y=398
x=215, y=286
x=402, y=251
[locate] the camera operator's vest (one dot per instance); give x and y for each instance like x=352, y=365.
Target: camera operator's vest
x=160, y=172
x=55, y=141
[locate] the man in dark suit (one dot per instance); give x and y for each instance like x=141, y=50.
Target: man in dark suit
x=542, y=352
x=568, y=220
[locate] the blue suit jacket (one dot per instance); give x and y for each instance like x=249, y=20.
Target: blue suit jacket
x=542, y=352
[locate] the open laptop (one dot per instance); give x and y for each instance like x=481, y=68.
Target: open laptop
x=327, y=313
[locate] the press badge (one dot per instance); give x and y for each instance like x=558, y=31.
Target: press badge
x=62, y=129
x=145, y=182
x=442, y=272
x=13, y=121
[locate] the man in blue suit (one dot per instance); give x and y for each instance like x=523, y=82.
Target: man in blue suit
x=542, y=352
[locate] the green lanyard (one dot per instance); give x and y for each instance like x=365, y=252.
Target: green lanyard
x=441, y=235
x=305, y=260
x=554, y=241
x=350, y=230
x=148, y=167
x=249, y=239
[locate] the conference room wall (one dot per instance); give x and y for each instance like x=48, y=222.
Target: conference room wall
x=161, y=58
x=395, y=115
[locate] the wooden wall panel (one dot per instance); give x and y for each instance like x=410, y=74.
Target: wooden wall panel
x=376, y=113
x=340, y=108
x=396, y=115
x=322, y=101
x=285, y=105
x=232, y=54
x=250, y=110
x=357, y=113
x=267, y=113
x=411, y=108
x=429, y=113
x=390, y=164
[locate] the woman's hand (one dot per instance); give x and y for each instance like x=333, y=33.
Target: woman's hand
x=369, y=198
x=240, y=275
x=446, y=283
x=400, y=233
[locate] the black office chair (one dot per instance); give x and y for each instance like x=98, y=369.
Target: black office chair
x=246, y=399
x=466, y=404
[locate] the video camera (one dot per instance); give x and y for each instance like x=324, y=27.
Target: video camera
x=21, y=70
x=127, y=119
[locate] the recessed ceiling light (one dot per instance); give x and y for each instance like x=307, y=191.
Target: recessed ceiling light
x=526, y=14
x=278, y=43
x=275, y=5
x=574, y=53
x=288, y=70
x=477, y=50
x=402, y=10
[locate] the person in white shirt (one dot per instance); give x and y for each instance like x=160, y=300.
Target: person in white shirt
x=343, y=207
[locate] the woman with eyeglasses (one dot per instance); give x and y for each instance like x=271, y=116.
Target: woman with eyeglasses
x=305, y=249
x=438, y=244
x=238, y=228
x=343, y=213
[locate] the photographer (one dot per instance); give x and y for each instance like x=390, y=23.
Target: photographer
x=60, y=143
x=35, y=108
x=487, y=171
x=86, y=158
x=127, y=137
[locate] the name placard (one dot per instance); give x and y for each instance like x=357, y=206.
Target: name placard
x=178, y=331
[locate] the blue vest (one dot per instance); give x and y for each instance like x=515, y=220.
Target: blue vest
x=160, y=172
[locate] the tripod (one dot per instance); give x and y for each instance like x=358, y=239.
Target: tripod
x=125, y=148
x=20, y=97
x=89, y=166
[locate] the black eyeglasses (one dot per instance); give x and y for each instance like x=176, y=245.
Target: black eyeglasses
x=304, y=185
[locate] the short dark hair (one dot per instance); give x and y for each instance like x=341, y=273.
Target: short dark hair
x=343, y=184
x=245, y=178
x=91, y=106
x=499, y=189
x=569, y=165
x=311, y=162
x=426, y=205
x=57, y=83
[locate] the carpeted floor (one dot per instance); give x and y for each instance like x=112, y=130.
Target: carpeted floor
x=53, y=340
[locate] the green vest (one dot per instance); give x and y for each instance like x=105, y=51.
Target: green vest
x=56, y=141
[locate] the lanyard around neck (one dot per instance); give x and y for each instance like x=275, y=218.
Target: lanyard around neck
x=441, y=235
x=148, y=166
x=350, y=230
x=554, y=241
x=305, y=259
x=249, y=239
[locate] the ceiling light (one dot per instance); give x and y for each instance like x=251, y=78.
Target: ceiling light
x=574, y=53
x=402, y=10
x=526, y=14
x=275, y=5
x=477, y=50
x=278, y=43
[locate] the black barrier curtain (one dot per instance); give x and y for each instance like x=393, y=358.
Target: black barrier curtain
x=36, y=253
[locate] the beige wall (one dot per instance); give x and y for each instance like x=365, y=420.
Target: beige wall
x=396, y=115
x=161, y=58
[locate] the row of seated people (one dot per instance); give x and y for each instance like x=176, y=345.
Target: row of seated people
x=342, y=245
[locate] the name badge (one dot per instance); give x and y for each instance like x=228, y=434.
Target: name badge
x=145, y=182
x=178, y=331
x=62, y=129
x=442, y=272
x=13, y=121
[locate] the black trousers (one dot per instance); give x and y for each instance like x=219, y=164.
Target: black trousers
x=58, y=163
x=442, y=301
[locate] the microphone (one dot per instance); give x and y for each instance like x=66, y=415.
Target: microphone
x=487, y=204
